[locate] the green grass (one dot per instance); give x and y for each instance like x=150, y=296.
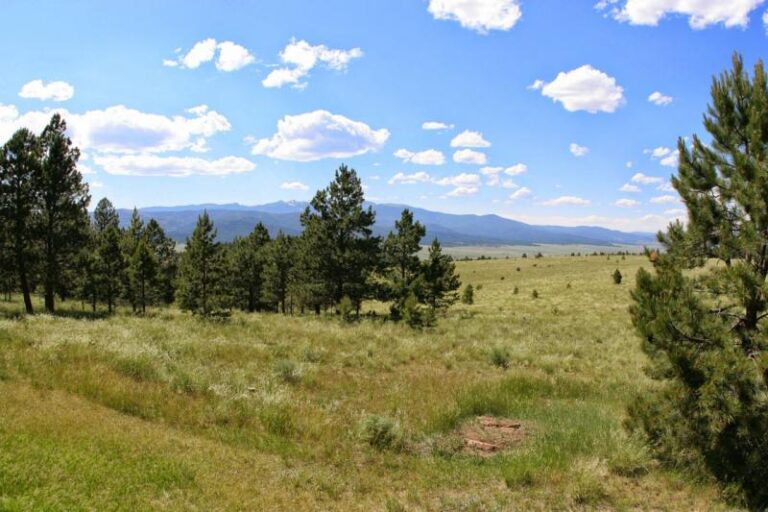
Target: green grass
x=264, y=412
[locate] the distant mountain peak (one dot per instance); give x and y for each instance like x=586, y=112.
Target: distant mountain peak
x=235, y=219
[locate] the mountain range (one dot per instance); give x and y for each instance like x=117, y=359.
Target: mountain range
x=234, y=219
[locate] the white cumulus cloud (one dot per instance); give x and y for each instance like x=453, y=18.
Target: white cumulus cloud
x=666, y=156
x=469, y=139
x=409, y=179
x=516, y=169
x=700, y=13
x=664, y=199
x=520, y=193
x=465, y=184
x=627, y=203
x=320, y=134
x=468, y=156
x=231, y=56
x=293, y=185
x=659, y=99
x=56, y=91
x=436, y=125
x=566, y=200
x=300, y=57
x=584, y=88
x=174, y=166
x=644, y=179
x=628, y=187
x=119, y=129
x=479, y=15
x=426, y=157
x=577, y=150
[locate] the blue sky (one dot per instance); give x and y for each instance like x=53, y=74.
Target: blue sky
x=546, y=105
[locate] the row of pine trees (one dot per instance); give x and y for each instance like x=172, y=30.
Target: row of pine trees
x=50, y=244
x=335, y=264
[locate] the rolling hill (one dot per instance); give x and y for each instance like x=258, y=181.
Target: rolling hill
x=453, y=230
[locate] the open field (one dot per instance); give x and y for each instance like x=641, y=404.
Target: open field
x=516, y=251
x=265, y=412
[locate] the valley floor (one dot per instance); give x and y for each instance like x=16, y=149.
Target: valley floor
x=266, y=412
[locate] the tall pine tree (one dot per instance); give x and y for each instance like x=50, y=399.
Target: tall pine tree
x=142, y=274
x=401, y=248
x=110, y=262
x=279, y=271
x=201, y=271
x=247, y=260
x=705, y=331
x=339, y=232
x=164, y=249
x=64, y=215
x=19, y=204
x=439, y=283
x=132, y=236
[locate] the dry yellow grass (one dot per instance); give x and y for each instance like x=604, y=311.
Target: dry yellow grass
x=265, y=412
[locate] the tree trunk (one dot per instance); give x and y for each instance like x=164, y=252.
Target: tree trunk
x=25, y=287
x=143, y=298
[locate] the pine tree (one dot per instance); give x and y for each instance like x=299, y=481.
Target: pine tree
x=19, y=202
x=468, y=295
x=400, y=254
x=279, y=271
x=201, y=271
x=7, y=267
x=705, y=331
x=64, y=215
x=312, y=284
x=247, y=260
x=339, y=232
x=164, y=249
x=439, y=285
x=105, y=215
x=87, y=266
x=142, y=272
x=132, y=236
x=110, y=262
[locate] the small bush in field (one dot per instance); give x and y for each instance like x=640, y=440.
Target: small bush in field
x=535, y=294
x=288, y=371
x=468, y=296
x=416, y=315
x=380, y=432
x=617, y=277
x=516, y=290
x=346, y=309
x=500, y=357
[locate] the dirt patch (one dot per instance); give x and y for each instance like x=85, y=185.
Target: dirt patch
x=487, y=435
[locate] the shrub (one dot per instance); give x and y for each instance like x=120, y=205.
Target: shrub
x=535, y=294
x=500, y=357
x=380, y=432
x=288, y=371
x=516, y=290
x=468, y=296
x=312, y=355
x=346, y=309
x=416, y=315
x=617, y=276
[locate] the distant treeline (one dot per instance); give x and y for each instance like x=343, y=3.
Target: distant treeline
x=49, y=243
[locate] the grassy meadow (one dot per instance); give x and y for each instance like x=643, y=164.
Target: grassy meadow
x=265, y=412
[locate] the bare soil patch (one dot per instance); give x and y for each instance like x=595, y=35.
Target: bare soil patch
x=488, y=435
